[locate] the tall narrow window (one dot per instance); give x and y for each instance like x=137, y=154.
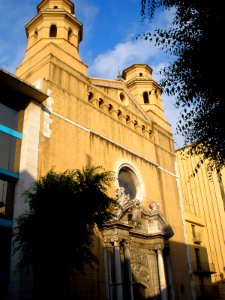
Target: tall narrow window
x=101, y=102
x=90, y=96
x=70, y=34
x=145, y=97
x=193, y=231
x=53, y=31
x=36, y=33
x=197, y=257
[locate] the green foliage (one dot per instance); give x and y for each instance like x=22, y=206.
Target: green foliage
x=195, y=76
x=64, y=208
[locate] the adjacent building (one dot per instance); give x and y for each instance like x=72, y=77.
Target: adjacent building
x=203, y=197
x=18, y=101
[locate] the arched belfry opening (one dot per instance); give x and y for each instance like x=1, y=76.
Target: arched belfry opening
x=146, y=97
x=70, y=32
x=53, y=30
x=58, y=30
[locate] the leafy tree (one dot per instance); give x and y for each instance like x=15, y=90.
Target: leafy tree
x=55, y=235
x=195, y=76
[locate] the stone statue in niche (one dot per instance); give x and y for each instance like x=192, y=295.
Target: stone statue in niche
x=136, y=213
x=122, y=198
x=154, y=207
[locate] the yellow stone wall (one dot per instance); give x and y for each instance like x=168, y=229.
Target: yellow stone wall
x=90, y=121
x=203, y=200
x=84, y=133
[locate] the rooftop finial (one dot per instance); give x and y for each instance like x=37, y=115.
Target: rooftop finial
x=119, y=75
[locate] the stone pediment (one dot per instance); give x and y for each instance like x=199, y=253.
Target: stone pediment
x=150, y=222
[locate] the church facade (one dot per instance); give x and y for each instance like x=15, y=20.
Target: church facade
x=120, y=125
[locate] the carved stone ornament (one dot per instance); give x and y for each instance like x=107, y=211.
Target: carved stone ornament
x=154, y=207
x=137, y=237
x=141, y=274
x=131, y=213
x=122, y=198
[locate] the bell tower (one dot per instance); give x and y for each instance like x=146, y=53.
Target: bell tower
x=53, y=35
x=147, y=92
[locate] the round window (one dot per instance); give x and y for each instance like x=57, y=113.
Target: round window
x=127, y=181
x=123, y=98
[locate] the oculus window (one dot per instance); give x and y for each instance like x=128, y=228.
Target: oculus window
x=128, y=182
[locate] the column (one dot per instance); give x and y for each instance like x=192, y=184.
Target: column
x=153, y=267
x=170, y=275
x=118, y=273
x=128, y=268
x=108, y=269
x=162, y=275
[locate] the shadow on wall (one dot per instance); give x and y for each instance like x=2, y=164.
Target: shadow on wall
x=132, y=265
x=116, y=278
x=129, y=280
x=202, y=272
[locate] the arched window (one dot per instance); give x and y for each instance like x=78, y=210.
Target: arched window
x=101, y=102
x=110, y=107
x=123, y=98
x=69, y=34
x=36, y=33
x=145, y=97
x=53, y=30
x=119, y=113
x=127, y=118
x=127, y=180
x=90, y=96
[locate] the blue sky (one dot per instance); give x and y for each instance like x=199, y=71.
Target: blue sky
x=108, y=45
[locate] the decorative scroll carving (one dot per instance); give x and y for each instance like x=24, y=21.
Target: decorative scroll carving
x=131, y=213
x=135, y=240
x=131, y=207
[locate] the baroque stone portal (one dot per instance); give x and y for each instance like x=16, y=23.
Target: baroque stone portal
x=137, y=257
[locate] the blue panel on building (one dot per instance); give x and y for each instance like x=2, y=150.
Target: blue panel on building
x=10, y=131
x=9, y=175
x=6, y=223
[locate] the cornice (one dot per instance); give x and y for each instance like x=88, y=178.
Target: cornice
x=142, y=80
